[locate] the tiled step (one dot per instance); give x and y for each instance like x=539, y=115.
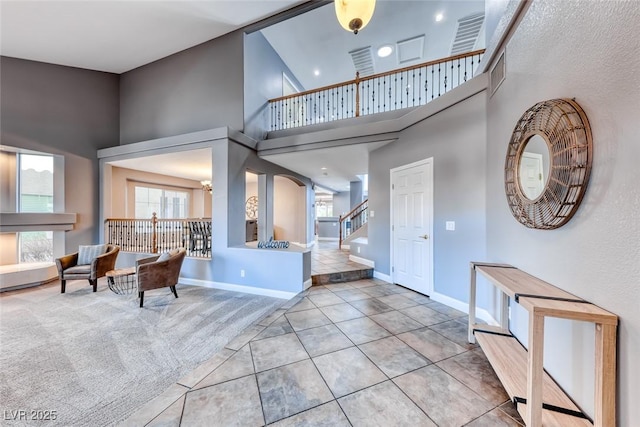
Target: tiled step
x=342, y=276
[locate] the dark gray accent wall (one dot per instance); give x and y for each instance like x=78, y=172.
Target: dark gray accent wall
x=197, y=89
x=263, y=70
x=456, y=139
x=66, y=111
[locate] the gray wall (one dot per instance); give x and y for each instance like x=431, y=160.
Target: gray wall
x=355, y=193
x=341, y=203
x=329, y=227
x=282, y=270
x=456, y=139
x=66, y=111
x=591, y=53
x=197, y=89
x=263, y=70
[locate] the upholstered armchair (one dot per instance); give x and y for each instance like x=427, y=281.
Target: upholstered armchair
x=159, y=271
x=82, y=265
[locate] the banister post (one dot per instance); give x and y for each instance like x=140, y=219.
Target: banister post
x=357, y=93
x=154, y=237
x=340, y=231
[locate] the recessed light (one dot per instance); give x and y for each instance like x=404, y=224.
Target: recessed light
x=385, y=51
x=439, y=17
x=324, y=169
x=316, y=73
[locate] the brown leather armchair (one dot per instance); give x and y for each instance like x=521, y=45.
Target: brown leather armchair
x=153, y=273
x=68, y=268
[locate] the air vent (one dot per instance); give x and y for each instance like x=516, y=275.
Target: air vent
x=410, y=50
x=467, y=33
x=362, y=61
x=497, y=74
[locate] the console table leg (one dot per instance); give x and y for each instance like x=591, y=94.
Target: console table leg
x=535, y=370
x=605, y=376
x=472, y=305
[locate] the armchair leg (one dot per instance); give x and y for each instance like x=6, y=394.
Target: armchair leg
x=94, y=283
x=63, y=286
x=173, y=289
x=141, y=294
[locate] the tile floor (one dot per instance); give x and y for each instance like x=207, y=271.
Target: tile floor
x=362, y=353
x=327, y=258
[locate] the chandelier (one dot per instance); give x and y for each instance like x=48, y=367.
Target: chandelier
x=354, y=15
x=206, y=186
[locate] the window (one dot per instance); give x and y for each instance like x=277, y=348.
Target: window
x=324, y=206
x=164, y=202
x=35, y=246
x=35, y=181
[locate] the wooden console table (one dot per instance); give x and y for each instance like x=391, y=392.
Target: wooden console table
x=540, y=401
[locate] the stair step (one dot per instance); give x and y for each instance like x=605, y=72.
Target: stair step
x=342, y=276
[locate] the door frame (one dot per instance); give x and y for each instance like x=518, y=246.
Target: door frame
x=430, y=186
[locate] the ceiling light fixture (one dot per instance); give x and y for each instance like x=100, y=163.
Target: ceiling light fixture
x=354, y=15
x=439, y=17
x=206, y=186
x=316, y=73
x=385, y=51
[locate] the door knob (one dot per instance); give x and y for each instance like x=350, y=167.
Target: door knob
x=426, y=236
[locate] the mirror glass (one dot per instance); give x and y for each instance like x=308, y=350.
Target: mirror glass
x=534, y=167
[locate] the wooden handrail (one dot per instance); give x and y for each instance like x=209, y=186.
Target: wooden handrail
x=424, y=64
x=158, y=219
x=359, y=79
x=353, y=210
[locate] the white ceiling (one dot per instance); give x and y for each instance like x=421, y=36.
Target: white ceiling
x=194, y=164
x=119, y=35
x=342, y=164
x=315, y=40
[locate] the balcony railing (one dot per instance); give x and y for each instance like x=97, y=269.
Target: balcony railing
x=160, y=235
x=407, y=87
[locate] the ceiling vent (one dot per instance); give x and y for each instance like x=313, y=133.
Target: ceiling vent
x=410, y=50
x=362, y=61
x=467, y=33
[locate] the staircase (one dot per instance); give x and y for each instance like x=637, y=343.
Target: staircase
x=354, y=224
x=332, y=265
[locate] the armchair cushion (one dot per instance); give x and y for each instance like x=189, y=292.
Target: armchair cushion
x=78, y=269
x=163, y=257
x=86, y=254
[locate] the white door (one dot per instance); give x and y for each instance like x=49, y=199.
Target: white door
x=412, y=226
x=531, y=175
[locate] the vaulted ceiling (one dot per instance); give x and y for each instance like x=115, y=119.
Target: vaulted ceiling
x=117, y=36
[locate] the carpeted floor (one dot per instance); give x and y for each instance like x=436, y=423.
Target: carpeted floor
x=95, y=358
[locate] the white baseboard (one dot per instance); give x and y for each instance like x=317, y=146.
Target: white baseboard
x=345, y=247
x=238, y=288
x=382, y=276
x=307, y=284
x=481, y=313
x=333, y=239
x=364, y=261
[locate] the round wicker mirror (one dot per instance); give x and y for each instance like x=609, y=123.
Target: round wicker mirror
x=563, y=125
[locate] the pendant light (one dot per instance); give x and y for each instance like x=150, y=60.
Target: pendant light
x=354, y=15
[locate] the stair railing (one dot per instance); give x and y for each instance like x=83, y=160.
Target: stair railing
x=353, y=220
x=403, y=88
